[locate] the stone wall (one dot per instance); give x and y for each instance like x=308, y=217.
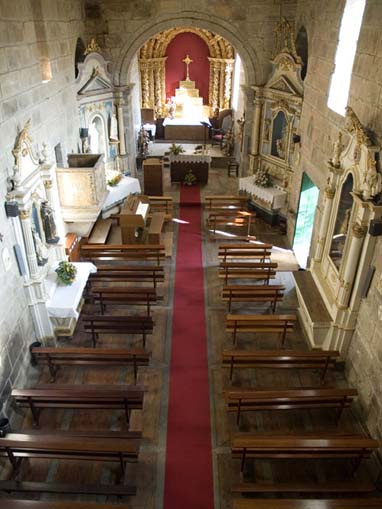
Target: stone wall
x=30, y=30
x=319, y=128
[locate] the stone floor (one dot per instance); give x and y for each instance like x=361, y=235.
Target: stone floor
x=148, y=474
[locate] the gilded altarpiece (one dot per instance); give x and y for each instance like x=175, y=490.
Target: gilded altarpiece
x=277, y=112
x=345, y=247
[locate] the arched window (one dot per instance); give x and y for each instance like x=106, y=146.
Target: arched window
x=79, y=55
x=347, y=46
x=302, y=50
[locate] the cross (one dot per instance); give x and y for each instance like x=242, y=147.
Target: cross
x=187, y=61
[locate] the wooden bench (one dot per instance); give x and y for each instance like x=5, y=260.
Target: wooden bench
x=287, y=359
x=54, y=358
x=253, y=293
x=123, y=252
x=118, y=490
x=257, y=271
x=235, y=218
x=278, y=324
x=326, y=488
x=102, y=447
x=285, y=503
x=244, y=400
x=156, y=227
x=96, y=325
x=128, y=273
x=225, y=202
x=243, y=251
x=96, y=397
x=12, y=503
x=100, y=231
x=160, y=204
x=106, y=295
x=322, y=446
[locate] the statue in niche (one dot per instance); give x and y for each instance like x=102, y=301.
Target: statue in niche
x=337, y=150
x=372, y=184
x=42, y=252
x=49, y=225
x=279, y=144
x=114, y=128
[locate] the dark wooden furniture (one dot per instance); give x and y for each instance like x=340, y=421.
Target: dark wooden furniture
x=117, y=490
x=152, y=177
x=11, y=503
x=159, y=204
x=54, y=358
x=325, y=488
x=72, y=247
x=286, y=359
x=109, y=295
x=253, y=293
x=248, y=445
x=244, y=400
x=178, y=171
x=123, y=252
x=337, y=503
x=127, y=273
x=100, y=447
x=242, y=251
x=100, y=231
x=156, y=227
x=95, y=325
x=233, y=167
x=256, y=271
x=221, y=203
x=276, y=324
x=233, y=219
x=97, y=397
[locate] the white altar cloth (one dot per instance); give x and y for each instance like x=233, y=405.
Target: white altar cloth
x=118, y=193
x=274, y=196
x=190, y=157
x=64, y=299
x=184, y=121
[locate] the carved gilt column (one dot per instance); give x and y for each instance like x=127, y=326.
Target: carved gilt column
x=163, y=80
x=26, y=226
x=157, y=86
x=221, y=82
x=227, y=83
x=358, y=233
x=145, y=84
x=214, y=83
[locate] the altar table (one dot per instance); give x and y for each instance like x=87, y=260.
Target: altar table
x=198, y=163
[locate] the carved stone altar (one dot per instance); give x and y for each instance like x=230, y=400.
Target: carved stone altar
x=345, y=247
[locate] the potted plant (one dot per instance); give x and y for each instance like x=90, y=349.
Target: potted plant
x=262, y=178
x=114, y=181
x=189, y=178
x=66, y=273
x=176, y=149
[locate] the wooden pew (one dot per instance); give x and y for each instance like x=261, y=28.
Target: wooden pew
x=95, y=325
x=12, y=503
x=323, y=488
x=253, y=293
x=244, y=251
x=248, y=400
x=300, y=446
x=276, y=359
x=156, y=227
x=238, y=218
x=100, y=447
x=96, y=397
x=128, y=273
x=284, y=503
x=225, y=202
x=106, y=295
x=100, y=231
x=123, y=252
x=54, y=358
x=279, y=324
x=257, y=271
x=117, y=490
x=163, y=204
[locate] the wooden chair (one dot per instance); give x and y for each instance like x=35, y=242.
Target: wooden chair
x=276, y=359
x=94, y=397
x=255, y=271
x=109, y=295
x=273, y=324
x=95, y=325
x=54, y=358
x=253, y=293
x=250, y=400
x=322, y=446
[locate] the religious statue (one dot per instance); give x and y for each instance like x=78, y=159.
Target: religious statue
x=372, y=182
x=337, y=150
x=281, y=144
x=49, y=225
x=227, y=144
x=170, y=107
x=114, y=128
x=143, y=142
x=42, y=252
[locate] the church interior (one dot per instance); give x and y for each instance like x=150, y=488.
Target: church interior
x=190, y=254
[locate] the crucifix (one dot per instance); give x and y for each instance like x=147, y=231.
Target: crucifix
x=187, y=61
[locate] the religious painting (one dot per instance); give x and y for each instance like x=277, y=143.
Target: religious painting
x=341, y=228
x=279, y=145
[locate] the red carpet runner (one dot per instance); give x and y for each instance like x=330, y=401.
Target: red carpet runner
x=188, y=482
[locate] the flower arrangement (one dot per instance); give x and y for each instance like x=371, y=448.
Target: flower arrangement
x=176, y=149
x=262, y=178
x=189, y=178
x=66, y=273
x=114, y=181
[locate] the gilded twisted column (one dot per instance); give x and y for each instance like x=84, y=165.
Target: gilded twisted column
x=228, y=68
x=221, y=83
x=145, y=84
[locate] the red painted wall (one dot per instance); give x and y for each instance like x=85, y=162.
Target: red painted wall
x=193, y=45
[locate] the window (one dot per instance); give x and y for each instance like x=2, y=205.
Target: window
x=347, y=45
